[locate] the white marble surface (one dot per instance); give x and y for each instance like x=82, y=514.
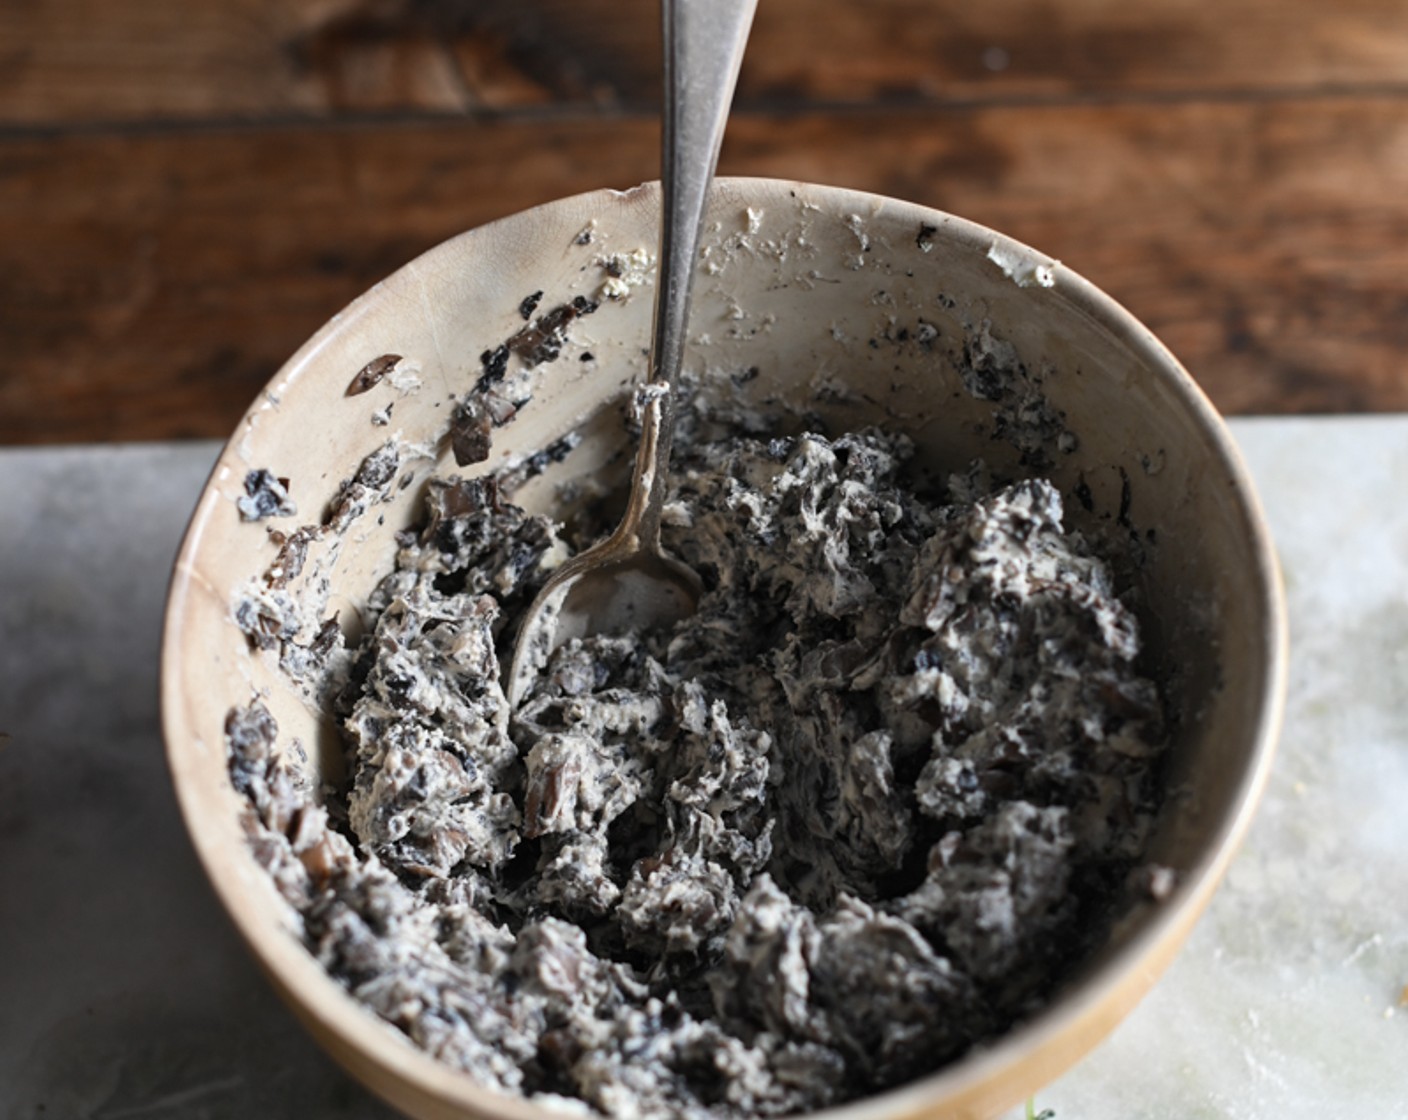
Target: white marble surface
x=124, y=994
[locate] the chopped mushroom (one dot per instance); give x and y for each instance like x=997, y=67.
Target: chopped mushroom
x=860, y=813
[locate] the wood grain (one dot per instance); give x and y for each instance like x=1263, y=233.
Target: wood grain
x=136, y=60
x=188, y=188
x=151, y=283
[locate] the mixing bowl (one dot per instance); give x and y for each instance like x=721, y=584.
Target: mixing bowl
x=845, y=308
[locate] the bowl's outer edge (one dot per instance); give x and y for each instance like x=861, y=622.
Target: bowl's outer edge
x=979, y=1086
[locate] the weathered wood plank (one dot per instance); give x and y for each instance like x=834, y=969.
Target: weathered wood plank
x=150, y=284
x=81, y=60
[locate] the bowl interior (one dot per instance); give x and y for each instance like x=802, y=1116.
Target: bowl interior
x=830, y=307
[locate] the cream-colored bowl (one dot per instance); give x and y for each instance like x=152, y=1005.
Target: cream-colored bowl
x=857, y=309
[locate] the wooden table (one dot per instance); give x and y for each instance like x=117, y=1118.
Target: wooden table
x=188, y=188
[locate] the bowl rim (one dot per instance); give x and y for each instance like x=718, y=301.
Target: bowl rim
x=976, y=1084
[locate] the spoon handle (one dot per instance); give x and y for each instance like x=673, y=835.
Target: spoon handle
x=703, y=48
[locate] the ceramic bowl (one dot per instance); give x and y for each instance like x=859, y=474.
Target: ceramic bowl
x=849, y=307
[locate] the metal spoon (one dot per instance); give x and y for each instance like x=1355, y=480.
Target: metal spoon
x=626, y=582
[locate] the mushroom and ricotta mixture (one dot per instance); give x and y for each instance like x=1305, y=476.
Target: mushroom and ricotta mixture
x=860, y=813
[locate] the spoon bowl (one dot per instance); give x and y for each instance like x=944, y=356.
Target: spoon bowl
x=624, y=583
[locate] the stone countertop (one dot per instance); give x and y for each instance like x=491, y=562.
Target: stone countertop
x=124, y=992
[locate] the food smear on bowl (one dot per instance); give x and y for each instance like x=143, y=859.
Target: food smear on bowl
x=865, y=810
